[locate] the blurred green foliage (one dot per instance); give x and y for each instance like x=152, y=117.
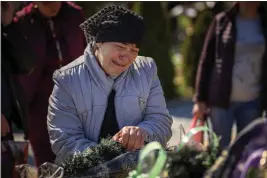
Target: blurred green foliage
x=156, y=43
x=192, y=46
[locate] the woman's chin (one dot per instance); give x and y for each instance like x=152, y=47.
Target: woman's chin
x=114, y=73
x=118, y=70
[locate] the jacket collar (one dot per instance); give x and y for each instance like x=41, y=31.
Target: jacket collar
x=98, y=75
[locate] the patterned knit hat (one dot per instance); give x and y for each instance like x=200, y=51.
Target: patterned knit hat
x=114, y=24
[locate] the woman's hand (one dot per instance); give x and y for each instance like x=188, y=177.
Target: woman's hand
x=4, y=126
x=199, y=110
x=131, y=137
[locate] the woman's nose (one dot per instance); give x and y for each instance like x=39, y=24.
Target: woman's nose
x=125, y=55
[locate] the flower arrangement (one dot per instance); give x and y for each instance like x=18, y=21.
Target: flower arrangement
x=187, y=160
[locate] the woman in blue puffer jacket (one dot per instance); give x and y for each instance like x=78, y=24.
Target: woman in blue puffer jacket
x=108, y=91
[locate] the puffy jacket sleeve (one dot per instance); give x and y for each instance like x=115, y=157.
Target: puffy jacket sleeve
x=157, y=121
x=65, y=126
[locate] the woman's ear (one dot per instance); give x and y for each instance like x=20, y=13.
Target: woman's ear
x=98, y=45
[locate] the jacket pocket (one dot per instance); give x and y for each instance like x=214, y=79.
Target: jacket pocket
x=142, y=104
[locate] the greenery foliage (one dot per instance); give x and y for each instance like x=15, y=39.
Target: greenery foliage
x=156, y=43
x=79, y=162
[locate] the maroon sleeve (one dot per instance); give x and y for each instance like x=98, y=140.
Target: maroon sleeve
x=17, y=34
x=19, y=48
x=205, y=65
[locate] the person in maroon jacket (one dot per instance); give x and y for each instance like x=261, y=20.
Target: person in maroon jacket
x=232, y=75
x=52, y=29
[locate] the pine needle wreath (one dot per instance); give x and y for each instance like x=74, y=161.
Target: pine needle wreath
x=79, y=162
x=190, y=162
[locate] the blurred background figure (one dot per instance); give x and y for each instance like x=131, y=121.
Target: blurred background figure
x=231, y=78
x=52, y=29
x=16, y=60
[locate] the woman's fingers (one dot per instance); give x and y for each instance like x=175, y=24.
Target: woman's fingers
x=131, y=137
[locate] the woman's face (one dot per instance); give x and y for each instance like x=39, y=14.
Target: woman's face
x=115, y=58
x=49, y=9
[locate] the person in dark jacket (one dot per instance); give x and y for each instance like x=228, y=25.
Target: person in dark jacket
x=231, y=78
x=52, y=29
x=16, y=60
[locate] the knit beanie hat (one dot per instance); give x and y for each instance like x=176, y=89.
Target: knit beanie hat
x=114, y=24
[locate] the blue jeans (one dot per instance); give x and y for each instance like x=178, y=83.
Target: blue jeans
x=243, y=113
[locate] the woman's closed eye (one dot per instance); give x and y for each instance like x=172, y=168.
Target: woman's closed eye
x=121, y=46
x=134, y=52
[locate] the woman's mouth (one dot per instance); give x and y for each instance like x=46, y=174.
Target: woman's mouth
x=120, y=65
